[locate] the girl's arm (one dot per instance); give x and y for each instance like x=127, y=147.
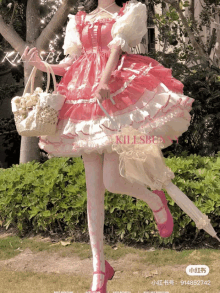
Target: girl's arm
x=63, y=66
x=111, y=64
x=33, y=58
x=58, y=69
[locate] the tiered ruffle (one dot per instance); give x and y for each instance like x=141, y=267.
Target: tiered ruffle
x=146, y=97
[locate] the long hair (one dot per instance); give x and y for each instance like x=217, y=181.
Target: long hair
x=90, y=5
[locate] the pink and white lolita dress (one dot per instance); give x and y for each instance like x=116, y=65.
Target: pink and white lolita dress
x=146, y=95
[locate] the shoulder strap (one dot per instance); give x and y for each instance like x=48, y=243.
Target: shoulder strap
x=102, y=9
x=79, y=18
x=121, y=12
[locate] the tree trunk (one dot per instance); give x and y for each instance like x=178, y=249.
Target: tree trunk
x=29, y=150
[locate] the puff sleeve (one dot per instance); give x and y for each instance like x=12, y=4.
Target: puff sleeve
x=129, y=29
x=72, y=45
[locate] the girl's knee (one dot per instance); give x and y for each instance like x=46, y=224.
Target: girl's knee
x=92, y=157
x=110, y=157
x=110, y=184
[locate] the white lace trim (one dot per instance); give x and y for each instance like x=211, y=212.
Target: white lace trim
x=72, y=139
x=77, y=143
x=203, y=222
x=120, y=40
x=81, y=101
x=139, y=162
x=126, y=83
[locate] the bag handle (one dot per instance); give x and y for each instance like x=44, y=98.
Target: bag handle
x=53, y=76
x=30, y=79
x=48, y=80
x=49, y=70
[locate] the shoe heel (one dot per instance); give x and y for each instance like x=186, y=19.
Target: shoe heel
x=110, y=271
x=112, y=275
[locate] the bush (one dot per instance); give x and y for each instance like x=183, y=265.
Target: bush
x=52, y=197
x=11, y=138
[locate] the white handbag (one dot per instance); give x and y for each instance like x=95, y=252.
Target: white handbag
x=36, y=113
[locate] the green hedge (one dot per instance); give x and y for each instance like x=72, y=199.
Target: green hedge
x=52, y=197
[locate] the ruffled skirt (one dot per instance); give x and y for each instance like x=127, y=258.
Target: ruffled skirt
x=146, y=97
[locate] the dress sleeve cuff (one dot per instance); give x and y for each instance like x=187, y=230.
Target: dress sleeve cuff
x=120, y=40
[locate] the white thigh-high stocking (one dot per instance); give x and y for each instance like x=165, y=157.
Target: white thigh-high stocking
x=93, y=164
x=115, y=183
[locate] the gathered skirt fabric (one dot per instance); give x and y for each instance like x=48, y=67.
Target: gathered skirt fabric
x=147, y=97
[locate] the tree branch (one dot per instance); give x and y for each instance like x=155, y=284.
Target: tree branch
x=13, y=13
x=195, y=44
x=212, y=41
x=171, y=2
x=8, y=132
x=54, y=25
x=5, y=72
x=11, y=36
x=32, y=21
x=192, y=10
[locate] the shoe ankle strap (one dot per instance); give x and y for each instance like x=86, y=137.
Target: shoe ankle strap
x=99, y=272
x=159, y=209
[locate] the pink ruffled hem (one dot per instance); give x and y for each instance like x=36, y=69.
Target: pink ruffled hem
x=160, y=112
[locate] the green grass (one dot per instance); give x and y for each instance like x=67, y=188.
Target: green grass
x=129, y=263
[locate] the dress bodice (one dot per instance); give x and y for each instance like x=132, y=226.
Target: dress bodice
x=96, y=35
x=124, y=28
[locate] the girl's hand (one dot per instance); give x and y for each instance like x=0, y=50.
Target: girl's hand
x=103, y=92
x=31, y=56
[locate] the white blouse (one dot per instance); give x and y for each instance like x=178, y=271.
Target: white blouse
x=127, y=31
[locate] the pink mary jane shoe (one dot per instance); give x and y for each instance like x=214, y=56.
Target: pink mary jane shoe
x=166, y=228
x=109, y=274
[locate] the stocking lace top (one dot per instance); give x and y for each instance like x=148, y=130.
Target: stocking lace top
x=127, y=31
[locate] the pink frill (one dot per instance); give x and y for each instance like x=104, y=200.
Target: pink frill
x=146, y=96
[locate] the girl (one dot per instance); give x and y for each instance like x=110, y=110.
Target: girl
x=99, y=62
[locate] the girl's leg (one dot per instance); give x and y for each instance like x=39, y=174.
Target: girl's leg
x=115, y=183
x=93, y=164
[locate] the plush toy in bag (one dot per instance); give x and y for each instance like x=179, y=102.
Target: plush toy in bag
x=36, y=113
